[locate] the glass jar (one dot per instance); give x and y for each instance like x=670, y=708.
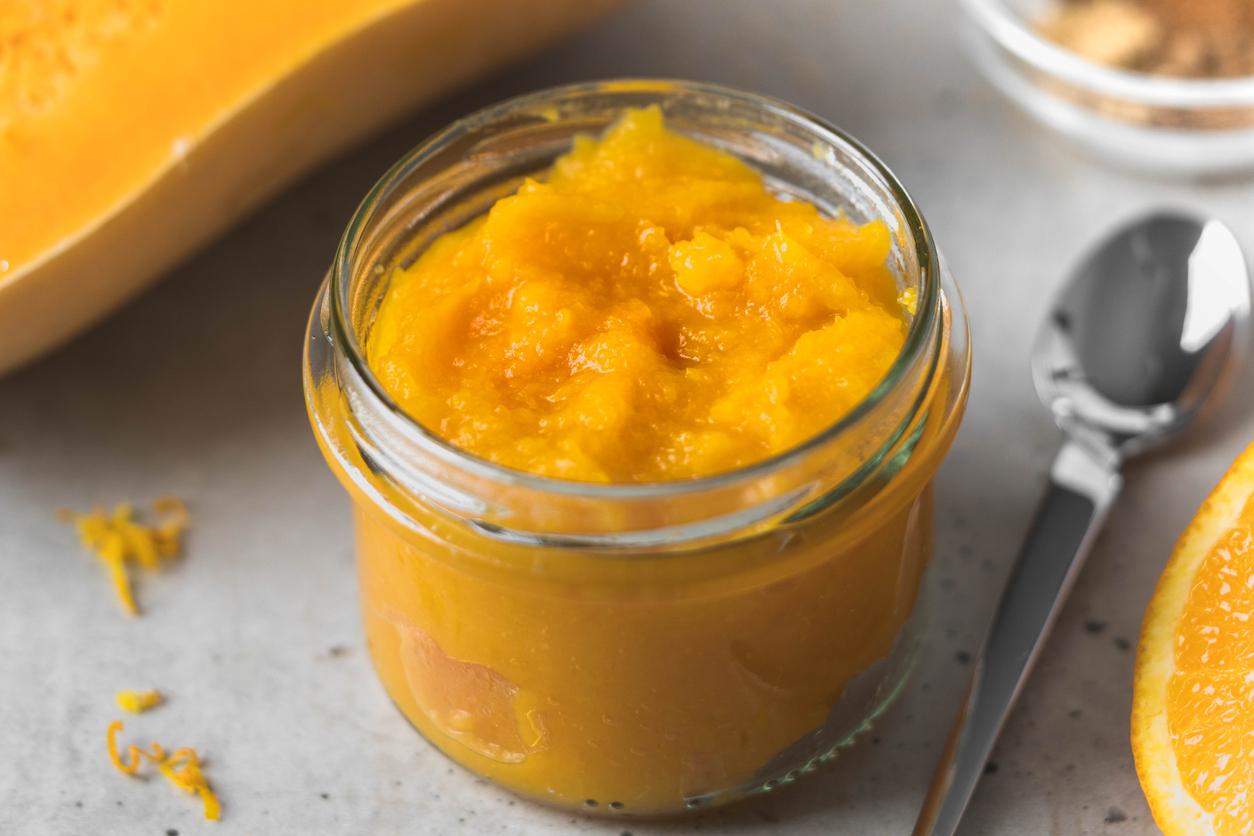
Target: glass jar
x=638, y=648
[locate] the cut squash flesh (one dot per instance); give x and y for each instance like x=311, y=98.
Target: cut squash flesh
x=132, y=132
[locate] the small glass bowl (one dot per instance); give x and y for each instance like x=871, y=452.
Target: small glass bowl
x=1166, y=125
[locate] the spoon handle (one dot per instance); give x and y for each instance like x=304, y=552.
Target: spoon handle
x=1082, y=485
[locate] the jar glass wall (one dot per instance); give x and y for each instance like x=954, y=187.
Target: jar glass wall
x=650, y=647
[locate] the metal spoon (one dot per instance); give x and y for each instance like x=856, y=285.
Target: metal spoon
x=1140, y=343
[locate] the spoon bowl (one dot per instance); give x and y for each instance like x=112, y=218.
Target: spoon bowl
x=1147, y=333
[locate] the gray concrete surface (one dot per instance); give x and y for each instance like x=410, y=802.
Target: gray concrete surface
x=194, y=390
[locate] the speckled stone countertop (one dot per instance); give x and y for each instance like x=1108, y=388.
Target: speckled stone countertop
x=194, y=389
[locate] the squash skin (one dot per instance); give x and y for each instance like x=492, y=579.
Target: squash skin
x=394, y=56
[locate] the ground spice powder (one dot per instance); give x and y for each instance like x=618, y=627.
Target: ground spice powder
x=1178, y=38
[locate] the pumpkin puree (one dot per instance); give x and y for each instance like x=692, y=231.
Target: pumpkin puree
x=649, y=311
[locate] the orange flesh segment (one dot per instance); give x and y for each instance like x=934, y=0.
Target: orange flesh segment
x=1210, y=699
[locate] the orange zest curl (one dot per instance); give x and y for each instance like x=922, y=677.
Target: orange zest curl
x=180, y=767
x=118, y=539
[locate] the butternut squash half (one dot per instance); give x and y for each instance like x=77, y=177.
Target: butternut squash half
x=132, y=131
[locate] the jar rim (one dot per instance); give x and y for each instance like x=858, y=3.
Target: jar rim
x=917, y=340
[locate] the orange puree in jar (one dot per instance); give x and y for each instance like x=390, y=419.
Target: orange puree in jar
x=653, y=626
x=649, y=311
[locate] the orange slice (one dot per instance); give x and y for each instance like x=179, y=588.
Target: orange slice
x=1193, y=702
